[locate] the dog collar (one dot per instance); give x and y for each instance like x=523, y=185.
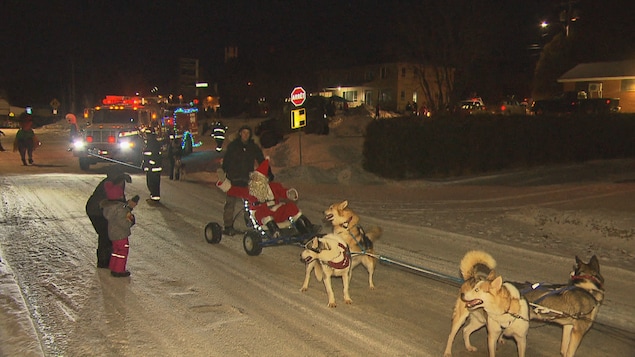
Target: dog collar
x=595, y=280
x=345, y=224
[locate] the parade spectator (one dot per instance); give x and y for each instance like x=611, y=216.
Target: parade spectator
x=120, y=220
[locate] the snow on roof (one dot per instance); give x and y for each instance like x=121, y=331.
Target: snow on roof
x=600, y=71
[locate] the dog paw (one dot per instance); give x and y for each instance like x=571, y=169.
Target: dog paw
x=472, y=349
x=332, y=304
x=348, y=301
x=303, y=289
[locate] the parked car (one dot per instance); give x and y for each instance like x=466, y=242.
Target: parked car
x=472, y=106
x=510, y=107
x=576, y=102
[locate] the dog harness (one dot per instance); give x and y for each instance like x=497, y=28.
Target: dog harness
x=346, y=260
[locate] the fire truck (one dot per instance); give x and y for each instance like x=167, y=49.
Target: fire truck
x=114, y=130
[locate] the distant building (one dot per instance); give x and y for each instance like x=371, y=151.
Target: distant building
x=604, y=80
x=391, y=85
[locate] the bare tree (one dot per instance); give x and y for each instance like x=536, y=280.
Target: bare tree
x=445, y=39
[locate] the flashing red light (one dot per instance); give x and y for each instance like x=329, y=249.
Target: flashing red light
x=111, y=139
x=89, y=139
x=503, y=108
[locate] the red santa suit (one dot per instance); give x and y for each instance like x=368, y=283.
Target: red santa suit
x=270, y=201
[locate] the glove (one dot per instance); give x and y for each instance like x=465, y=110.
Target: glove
x=292, y=194
x=222, y=176
x=131, y=218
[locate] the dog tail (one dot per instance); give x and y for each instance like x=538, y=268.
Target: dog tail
x=374, y=233
x=475, y=262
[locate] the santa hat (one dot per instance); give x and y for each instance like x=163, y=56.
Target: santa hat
x=113, y=191
x=264, y=167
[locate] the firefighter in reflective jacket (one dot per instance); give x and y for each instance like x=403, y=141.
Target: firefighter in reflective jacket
x=152, y=160
x=218, y=133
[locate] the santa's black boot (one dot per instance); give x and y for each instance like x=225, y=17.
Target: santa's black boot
x=303, y=225
x=274, y=230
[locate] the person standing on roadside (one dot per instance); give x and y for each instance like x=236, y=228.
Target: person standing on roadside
x=120, y=220
x=152, y=160
x=242, y=156
x=74, y=129
x=96, y=216
x=25, y=139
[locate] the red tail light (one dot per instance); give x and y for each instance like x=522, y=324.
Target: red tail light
x=89, y=139
x=111, y=140
x=503, y=108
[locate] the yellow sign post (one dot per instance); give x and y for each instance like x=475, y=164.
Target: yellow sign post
x=298, y=120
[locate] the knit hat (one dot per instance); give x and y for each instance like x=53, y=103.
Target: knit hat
x=264, y=167
x=113, y=191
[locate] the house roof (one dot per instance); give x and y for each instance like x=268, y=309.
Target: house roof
x=600, y=71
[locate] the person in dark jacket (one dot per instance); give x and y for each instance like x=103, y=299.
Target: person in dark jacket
x=96, y=216
x=152, y=160
x=242, y=156
x=25, y=139
x=218, y=133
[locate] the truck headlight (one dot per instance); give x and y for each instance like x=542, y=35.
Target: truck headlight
x=79, y=144
x=126, y=145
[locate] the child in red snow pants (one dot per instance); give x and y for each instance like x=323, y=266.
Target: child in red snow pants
x=119, y=256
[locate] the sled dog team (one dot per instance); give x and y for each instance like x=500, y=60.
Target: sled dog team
x=484, y=299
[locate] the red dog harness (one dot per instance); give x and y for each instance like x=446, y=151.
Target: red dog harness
x=345, y=262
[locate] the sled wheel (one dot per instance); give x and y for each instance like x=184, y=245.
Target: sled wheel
x=213, y=233
x=251, y=243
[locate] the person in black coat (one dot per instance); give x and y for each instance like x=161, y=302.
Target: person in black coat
x=242, y=156
x=94, y=212
x=152, y=161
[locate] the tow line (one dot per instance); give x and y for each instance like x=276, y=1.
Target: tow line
x=421, y=270
x=115, y=161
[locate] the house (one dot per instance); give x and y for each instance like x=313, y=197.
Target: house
x=604, y=80
x=391, y=85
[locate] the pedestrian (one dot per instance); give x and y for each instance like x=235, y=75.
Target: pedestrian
x=1, y=148
x=175, y=153
x=152, y=160
x=96, y=216
x=25, y=139
x=377, y=111
x=218, y=133
x=241, y=157
x=73, y=129
x=120, y=220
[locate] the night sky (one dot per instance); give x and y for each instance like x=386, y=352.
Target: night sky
x=127, y=46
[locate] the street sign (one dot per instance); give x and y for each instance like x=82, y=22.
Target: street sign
x=298, y=118
x=298, y=96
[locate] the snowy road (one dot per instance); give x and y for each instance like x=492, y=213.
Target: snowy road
x=189, y=298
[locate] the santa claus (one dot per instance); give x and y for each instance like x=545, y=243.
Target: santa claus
x=271, y=202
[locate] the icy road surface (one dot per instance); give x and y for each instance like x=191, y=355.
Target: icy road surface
x=189, y=298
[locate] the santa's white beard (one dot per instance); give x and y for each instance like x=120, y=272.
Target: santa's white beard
x=259, y=187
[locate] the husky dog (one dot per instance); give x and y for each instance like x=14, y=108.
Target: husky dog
x=475, y=266
x=346, y=225
x=507, y=311
x=574, y=306
x=328, y=256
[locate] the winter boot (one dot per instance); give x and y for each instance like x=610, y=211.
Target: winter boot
x=303, y=225
x=274, y=230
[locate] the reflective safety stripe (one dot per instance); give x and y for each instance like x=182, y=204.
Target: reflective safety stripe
x=157, y=169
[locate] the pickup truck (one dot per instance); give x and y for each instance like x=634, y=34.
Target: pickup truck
x=572, y=102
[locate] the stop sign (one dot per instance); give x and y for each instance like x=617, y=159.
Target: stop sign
x=298, y=96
